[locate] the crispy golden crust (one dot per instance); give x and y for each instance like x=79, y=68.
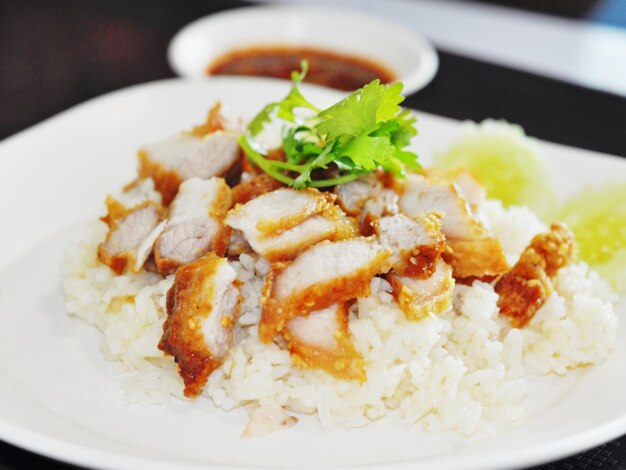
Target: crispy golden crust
x=324, y=204
x=277, y=313
x=367, y=227
x=116, y=213
x=342, y=362
x=421, y=260
x=476, y=258
x=557, y=247
x=416, y=305
x=219, y=245
x=189, y=303
x=166, y=181
x=254, y=188
x=524, y=289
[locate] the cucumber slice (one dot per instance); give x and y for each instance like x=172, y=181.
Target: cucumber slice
x=504, y=160
x=597, y=216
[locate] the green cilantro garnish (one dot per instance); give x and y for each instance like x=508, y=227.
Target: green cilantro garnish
x=362, y=132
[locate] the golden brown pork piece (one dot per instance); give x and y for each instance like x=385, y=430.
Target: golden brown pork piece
x=471, y=250
x=196, y=224
x=254, y=187
x=325, y=274
x=419, y=297
x=321, y=340
x=132, y=232
x=202, y=306
x=282, y=223
x=469, y=186
x=416, y=242
x=526, y=287
x=367, y=199
x=353, y=195
x=207, y=150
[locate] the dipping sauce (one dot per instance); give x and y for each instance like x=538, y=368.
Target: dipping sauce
x=340, y=71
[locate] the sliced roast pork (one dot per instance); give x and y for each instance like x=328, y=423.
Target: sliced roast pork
x=471, y=249
x=321, y=340
x=132, y=232
x=196, y=224
x=282, y=223
x=202, y=306
x=208, y=150
x=325, y=274
x=420, y=297
x=526, y=287
x=416, y=242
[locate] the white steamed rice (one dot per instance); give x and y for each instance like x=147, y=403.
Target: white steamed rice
x=463, y=371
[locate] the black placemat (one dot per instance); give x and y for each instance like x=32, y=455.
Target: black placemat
x=54, y=55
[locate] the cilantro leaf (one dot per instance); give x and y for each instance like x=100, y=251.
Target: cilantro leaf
x=361, y=111
x=285, y=108
x=365, y=131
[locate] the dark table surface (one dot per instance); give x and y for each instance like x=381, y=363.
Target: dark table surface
x=54, y=55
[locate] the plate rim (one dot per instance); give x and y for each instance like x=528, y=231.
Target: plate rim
x=79, y=454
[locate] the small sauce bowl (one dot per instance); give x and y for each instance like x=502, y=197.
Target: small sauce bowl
x=404, y=54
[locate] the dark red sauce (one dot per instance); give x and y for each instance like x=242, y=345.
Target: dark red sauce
x=340, y=71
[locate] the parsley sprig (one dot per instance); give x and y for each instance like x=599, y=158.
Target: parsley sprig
x=355, y=136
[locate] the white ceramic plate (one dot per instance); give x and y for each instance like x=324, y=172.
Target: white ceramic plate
x=59, y=397
x=407, y=54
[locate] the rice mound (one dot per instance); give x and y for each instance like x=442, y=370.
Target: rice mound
x=464, y=371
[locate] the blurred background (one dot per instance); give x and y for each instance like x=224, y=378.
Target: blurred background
x=511, y=59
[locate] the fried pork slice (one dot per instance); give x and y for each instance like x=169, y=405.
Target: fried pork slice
x=368, y=199
x=284, y=222
x=321, y=340
x=196, y=224
x=325, y=274
x=202, y=306
x=468, y=185
x=471, y=249
x=254, y=187
x=382, y=204
x=416, y=242
x=207, y=150
x=525, y=288
x=352, y=196
x=132, y=232
x=420, y=297
x=237, y=244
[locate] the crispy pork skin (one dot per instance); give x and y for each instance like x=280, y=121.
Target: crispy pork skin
x=469, y=187
x=416, y=242
x=419, y=297
x=325, y=274
x=207, y=150
x=321, y=340
x=132, y=232
x=202, y=306
x=471, y=249
x=196, y=224
x=367, y=199
x=352, y=196
x=526, y=287
x=280, y=224
x=254, y=187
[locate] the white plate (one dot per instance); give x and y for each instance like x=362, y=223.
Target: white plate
x=407, y=54
x=59, y=397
